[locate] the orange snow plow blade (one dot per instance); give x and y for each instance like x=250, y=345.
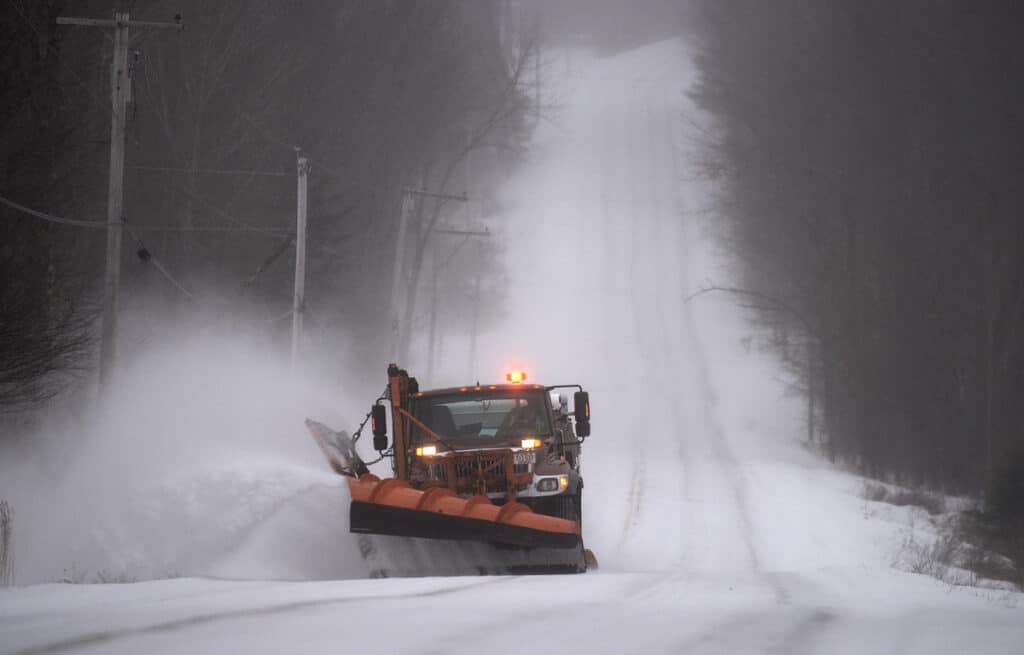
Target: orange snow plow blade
x=393, y=507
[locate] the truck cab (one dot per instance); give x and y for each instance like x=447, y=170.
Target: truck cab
x=509, y=442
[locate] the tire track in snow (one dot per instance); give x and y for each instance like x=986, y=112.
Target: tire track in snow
x=724, y=457
x=666, y=270
x=577, y=617
x=798, y=639
x=652, y=327
x=656, y=193
x=651, y=324
x=663, y=356
x=662, y=149
x=107, y=636
x=634, y=500
x=618, y=182
x=696, y=507
x=610, y=178
x=786, y=632
x=635, y=293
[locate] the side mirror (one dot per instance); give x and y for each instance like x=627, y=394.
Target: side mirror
x=581, y=401
x=379, y=425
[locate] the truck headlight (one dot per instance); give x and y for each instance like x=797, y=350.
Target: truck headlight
x=553, y=483
x=426, y=451
x=547, y=484
x=530, y=443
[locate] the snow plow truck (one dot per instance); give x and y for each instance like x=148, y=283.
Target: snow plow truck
x=497, y=464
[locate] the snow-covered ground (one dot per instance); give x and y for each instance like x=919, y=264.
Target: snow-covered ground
x=716, y=531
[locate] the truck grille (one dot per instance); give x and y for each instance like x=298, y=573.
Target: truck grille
x=473, y=472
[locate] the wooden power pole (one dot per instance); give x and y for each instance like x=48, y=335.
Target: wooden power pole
x=299, y=300
x=408, y=207
x=119, y=94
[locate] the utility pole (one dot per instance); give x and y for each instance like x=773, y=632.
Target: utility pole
x=120, y=86
x=474, y=369
x=536, y=82
x=299, y=301
x=811, y=412
x=432, y=335
x=437, y=267
x=473, y=363
x=408, y=204
x=400, y=321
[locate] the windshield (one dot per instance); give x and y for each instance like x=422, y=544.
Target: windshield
x=488, y=415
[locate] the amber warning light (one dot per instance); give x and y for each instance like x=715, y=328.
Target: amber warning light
x=515, y=377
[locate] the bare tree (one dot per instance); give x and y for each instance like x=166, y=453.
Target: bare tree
x=848, y=195
x=488, y=129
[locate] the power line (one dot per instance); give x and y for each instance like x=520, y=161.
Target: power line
x=179, y=169
x=50, y=217
x=437, y=195
x=148, y=257
x=224, y=214
x=211, y=171
x=269, y=261
x=270, y=231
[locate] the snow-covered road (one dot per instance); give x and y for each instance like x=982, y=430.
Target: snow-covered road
x=716, y=531
x=594, y=613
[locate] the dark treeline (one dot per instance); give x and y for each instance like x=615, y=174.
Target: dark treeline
x=870, y=156
x=380, y=95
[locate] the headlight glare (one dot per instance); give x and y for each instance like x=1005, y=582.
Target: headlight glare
x=547, y=484
x=554, y=483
